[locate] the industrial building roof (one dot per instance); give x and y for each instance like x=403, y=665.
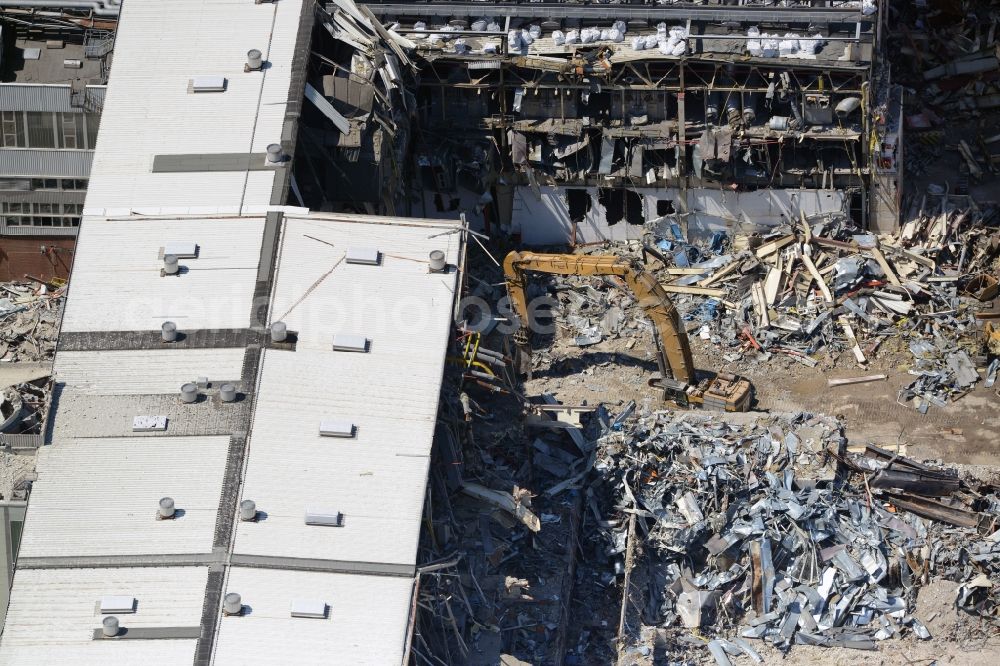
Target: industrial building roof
x=120, y=262
x=99, y=497
x=264, y=447
x=53, y=614
x=151, y=108
x=351, y=633
x=171, y=166
x=377, y=477
x=144, y=371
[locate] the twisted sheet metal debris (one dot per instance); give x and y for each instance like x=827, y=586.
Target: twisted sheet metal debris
x=769, y=529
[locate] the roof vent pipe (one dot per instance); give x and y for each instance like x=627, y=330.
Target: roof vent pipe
x=248, y=510
x=189, y=392
x=166, y=507
x=437, y=261
x=279, y=331
x=232, y=604
x=109, y=626
x=170, y=265
x=227, y=392
x=255, y=61
x=169, y=331
x=275, y=155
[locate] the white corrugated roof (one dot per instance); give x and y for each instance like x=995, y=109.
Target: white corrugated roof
x=53, y=614
x=365, y=624
x=377, y=479
x=139, y=372
x=117, y=284
x=148, y=110
x=100, y=496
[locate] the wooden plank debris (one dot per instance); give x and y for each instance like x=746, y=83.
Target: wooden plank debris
x=848, y=381
x=701, y=291
x=886, y=268
x=811, y=267
x=774, y=246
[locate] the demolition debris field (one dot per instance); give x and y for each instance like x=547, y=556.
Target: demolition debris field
x=855, y=510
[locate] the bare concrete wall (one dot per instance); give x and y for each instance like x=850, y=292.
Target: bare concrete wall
x=20, y=255
x=545, y=219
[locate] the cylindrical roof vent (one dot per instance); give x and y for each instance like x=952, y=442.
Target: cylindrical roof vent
x=437, y=261
x=248, y=510
x=227, y=392
x=232, y=604
x=278, y=331
x=109, y=626
x=275, y=155
x=255, y=60
x=167, y=507
x=170, y=265
x=169, y=331
x=189, y=392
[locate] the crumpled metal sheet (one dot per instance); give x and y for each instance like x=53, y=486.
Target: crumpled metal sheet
x=739, y=517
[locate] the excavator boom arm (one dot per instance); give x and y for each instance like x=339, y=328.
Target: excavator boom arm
x=673, y=347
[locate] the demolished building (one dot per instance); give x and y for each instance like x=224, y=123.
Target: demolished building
x=580, y=122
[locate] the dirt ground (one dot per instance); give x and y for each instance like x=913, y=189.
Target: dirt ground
x=955, y=639
x=964, y=432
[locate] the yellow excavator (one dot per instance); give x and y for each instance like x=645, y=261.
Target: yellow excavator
x=677, y=377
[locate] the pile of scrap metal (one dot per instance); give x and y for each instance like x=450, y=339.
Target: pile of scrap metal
x=770, y=529
x=818, y=284
x=815, y=288
x=357, y=126
x=29, y=321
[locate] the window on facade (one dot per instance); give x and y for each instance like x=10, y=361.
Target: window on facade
x=93, y=121
x=45, y=183
x=12, y=129
x=41, y=131
x=71, y=130
x=15, y=184
x=38, y=214
x=74, y=184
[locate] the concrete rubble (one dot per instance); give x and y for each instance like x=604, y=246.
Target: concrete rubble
x=29, y=321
